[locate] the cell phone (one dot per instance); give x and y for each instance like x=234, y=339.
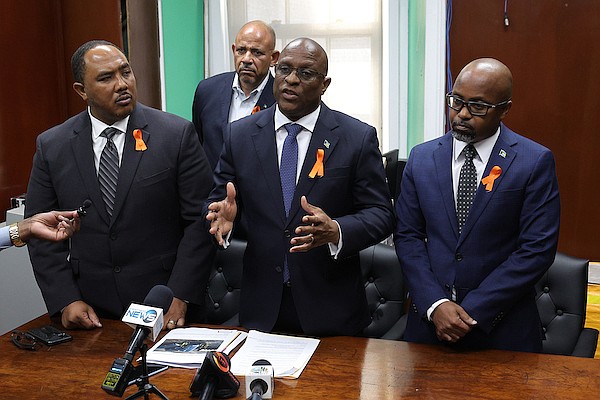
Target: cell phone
x=153, y=369
x=49, y=335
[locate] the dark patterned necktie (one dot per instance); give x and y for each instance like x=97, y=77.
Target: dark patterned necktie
x=108, y=170
x=467, y=185
x=287, y=174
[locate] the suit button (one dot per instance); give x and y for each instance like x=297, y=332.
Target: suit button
x=458, y=256
x=113, y=236
x=546, y=289
x=287, y=233
x=278, y=269
x=216, y=305
x=117, y=269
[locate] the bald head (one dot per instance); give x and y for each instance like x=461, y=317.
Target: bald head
x=259, y=30
x=490, y=73
x=312, y=49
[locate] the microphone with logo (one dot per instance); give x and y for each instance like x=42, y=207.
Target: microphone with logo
x=146, y=319
x=260, y=381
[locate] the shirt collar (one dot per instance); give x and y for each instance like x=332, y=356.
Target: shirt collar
x=98, y=126
x=484, y=147
x=238, y=89
x=308, y=122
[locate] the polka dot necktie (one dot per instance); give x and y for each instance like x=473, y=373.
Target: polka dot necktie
x=467, y=185
x=287, y=174
x=108, y=170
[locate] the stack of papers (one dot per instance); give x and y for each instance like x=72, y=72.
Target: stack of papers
x=187, y=347
x=289, y=355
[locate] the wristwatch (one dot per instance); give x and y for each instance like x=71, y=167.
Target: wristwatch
x=13, y=232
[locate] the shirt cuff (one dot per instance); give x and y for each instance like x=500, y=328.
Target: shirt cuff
x=335, y=248
x=5, y=241
x=431, y=309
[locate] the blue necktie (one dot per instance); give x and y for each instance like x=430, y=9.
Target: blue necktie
x=287, y=174
x=108, y=170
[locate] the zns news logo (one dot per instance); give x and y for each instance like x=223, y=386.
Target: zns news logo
x=146, y=316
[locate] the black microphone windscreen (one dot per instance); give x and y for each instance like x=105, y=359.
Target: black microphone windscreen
x=87, y=203
x=159, y=296
x=261, y=362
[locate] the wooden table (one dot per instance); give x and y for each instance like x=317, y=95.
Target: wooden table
x=341, y=368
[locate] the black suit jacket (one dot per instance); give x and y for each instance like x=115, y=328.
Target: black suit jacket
x=329, y=294
x=156, y=233
x=210, y=110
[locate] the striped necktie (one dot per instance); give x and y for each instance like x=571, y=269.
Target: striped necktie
x=108, y=170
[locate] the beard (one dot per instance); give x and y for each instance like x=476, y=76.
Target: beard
x=463, y=136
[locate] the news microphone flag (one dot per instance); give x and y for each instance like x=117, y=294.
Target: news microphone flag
x=140, y=315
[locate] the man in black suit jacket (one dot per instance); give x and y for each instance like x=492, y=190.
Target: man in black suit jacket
x=339, y=168
x=155, y=234
x=230, y=96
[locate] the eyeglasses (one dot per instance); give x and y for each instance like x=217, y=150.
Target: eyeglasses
x=304, y=74
x=477, y=108
x=24, y=340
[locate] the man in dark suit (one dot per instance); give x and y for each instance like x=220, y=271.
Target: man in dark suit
x=144, y=225
x=301, y=266
x=471, y=253
x=230, y=96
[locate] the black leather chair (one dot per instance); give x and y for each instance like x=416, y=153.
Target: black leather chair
x=384, y=286
x=561, y=301
x=380, y=269
x=394, y=167
x=222, y=300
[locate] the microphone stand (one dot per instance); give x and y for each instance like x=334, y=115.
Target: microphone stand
x=143, y=383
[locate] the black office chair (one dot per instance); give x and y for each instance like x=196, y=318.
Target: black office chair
x=224, y=285
x=561, y=301
x=381, y=272
x=394, y=168
x=384, y=286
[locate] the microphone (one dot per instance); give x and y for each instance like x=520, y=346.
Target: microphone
x=146, y=319
x=215, y=377
x=82, y=209
x=260, y=381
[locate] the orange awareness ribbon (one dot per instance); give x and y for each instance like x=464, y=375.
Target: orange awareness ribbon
x=255, y=109
x=488, y=181
x=318, y=169
x=139, y=142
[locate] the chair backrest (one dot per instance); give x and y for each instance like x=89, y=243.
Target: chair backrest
x=384, y=286
x=222, y=298
x=561, y=296
x=394, y=167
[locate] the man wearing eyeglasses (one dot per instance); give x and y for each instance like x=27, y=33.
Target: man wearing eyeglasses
x=230, y=96
x=308, y=183
x=477, y=222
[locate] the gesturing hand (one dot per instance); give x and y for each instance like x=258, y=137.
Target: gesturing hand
x=319, y=229
x=221, y=215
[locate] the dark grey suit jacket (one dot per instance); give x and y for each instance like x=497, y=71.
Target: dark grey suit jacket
x=156, y=233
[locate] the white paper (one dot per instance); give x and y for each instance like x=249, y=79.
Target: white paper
x=289, y=355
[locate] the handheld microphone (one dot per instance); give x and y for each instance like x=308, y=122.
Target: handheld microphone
x=215, y=378
x=260, y=381
x=146, y=319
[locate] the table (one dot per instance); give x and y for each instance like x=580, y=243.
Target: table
x=341, y=368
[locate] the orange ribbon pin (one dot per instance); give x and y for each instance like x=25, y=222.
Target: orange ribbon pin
x=139, y=142
x=318, y=169
x=488, y=181
x=255, y=109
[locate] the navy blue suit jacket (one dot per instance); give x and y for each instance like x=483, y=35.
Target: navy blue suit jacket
x=210, y=110
x=329, y=294
x=507, y=243
x=156, y=234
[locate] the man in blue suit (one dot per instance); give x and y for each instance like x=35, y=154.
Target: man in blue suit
x=230, y=96
x=471, y=268
x=301, y=266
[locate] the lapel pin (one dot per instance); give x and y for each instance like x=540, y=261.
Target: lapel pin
x=502, y=154
x=326, y=143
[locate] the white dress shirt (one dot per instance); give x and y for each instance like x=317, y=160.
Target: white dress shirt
x=98, y=142
x=242, y=105
x=5, y=241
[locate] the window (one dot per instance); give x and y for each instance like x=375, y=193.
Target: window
x=350, y=32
